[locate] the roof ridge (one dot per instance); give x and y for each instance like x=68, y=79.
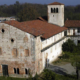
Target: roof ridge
x=56, y=3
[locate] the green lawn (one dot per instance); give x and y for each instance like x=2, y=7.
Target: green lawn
x=10, y=78
x=46, y=75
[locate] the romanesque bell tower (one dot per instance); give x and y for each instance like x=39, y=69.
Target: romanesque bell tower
x=56, y=13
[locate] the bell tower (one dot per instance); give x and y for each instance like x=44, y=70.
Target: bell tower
x=56, y=13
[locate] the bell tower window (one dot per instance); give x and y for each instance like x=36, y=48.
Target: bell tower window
x=53, y=10
x=56, y=10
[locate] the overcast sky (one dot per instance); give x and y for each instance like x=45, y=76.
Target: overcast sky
x=66, y=2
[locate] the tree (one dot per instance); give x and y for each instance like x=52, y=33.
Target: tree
x=68, y=46
x=48, y=75
x=72, y=53
x=27, y=13
x=75, y=61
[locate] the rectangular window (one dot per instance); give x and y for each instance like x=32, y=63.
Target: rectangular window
x=68, y=30
x=78, y=30
x=26, y=52
x=16, y=70
x=14, y=52
x=0, y=51
x=65, y=33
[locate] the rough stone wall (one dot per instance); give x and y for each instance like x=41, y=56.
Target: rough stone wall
x=17, y=49
x=38, y=55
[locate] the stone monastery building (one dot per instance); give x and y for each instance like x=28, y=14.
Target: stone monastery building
x=27, y=47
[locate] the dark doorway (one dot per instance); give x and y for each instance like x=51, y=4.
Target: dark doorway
x=78, y=41
x=26, y=72
x=5, y=70
x=73, y=31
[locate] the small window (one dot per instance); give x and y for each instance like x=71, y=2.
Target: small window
x=56, y=10
x=0, y=51
x=68, y=30
x=78, y=30
x=26, y=71
x=26, y=52
x=53, y=10
x=14, y=52
x=65, y=33
x=15, y=70
x=3, y=30
x=12, y=40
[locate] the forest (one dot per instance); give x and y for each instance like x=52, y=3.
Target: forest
x=29, y=11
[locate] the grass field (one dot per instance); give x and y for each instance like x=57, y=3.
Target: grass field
x=10, y=78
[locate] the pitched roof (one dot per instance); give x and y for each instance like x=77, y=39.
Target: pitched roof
x=37, y=27
x=72, y=23
x=55, y=3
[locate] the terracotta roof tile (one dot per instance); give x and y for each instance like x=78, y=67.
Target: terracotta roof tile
x=37, y=27
x=72, y=23
x=55, y=3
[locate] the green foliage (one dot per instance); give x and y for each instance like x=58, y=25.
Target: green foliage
x=48, y=75
x=73, y=53
x=29, y=11
x=68, y=46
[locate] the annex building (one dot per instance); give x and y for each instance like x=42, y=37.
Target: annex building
x=27, y=47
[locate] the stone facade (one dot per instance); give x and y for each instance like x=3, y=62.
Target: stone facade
x=22, y=53
x=17, y=49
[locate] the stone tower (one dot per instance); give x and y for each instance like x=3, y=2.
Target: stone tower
x=56, y=13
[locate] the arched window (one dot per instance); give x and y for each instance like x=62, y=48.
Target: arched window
x=26, y=71
x=52, y=10
x=3, y=30
x=56, y=10
x=15, y=70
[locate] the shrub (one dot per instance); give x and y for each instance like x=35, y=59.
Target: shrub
x=68, y=46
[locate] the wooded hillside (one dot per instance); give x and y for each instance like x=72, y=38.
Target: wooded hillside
x=29, y=11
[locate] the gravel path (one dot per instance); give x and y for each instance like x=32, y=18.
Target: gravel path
x=62, y=69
